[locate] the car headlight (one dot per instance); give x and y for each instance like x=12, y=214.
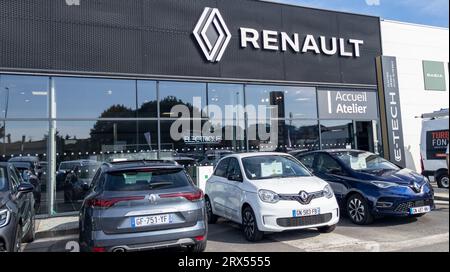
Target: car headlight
x=4, y=217
x=384, y=184
x=328, y=192
x=268, y=196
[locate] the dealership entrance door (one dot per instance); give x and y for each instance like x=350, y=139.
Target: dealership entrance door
x=367, y=136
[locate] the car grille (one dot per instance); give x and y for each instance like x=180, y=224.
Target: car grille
x=297, y=197
x=406, y=206
x=304, y=221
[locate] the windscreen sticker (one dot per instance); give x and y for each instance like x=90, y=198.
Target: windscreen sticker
x=358, y=162
x=271, y=169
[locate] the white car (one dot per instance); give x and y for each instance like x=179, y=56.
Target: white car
x=269, y=192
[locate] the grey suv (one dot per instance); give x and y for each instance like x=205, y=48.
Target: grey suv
x=142, y=205
x=16, y=209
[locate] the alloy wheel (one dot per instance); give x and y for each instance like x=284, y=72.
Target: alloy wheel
x=444, y=182
x=209, y=209
x=249, y=224
x=356, y=210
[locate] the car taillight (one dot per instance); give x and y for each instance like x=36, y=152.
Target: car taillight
x=194, y=196
x=98, y=249
x=106, y=203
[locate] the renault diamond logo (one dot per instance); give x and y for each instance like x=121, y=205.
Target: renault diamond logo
x=152, y=198
x=304, y=196
x=212, y=34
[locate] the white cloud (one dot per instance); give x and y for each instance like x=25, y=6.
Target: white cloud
x=373, y=2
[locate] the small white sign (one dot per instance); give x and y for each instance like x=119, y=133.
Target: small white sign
x=271, y=169
x=203, y=174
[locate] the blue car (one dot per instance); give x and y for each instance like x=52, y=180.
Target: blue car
x=368, y=186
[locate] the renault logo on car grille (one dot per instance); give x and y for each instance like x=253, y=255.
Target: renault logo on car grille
x=304, y=196
x=212, y=34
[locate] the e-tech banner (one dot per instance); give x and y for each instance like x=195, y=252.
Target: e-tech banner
x=391, y=120
x=437, y=142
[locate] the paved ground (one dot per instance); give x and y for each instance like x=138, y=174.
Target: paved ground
x=429, y=233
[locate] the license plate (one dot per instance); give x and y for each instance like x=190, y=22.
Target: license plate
x=306, y=212
x=419, y=210
x=144, y=221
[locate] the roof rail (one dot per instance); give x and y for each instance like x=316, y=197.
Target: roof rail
x=436, y=114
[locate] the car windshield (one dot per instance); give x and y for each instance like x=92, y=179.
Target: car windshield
x=272, y=166
x=365, y=161
x=2, y=179
x=147, y=180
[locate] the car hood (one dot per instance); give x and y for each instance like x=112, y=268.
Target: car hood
x=291, y=185
x=401, y=177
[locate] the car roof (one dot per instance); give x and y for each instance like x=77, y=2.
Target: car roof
x=24, y=159
x=331, y=151
x=255, y=154
x=141, y=164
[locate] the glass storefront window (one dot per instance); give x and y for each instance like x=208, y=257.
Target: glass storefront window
x=301, y=135
x=23, y=96
x=147, y=101
x=292, y=102
x=337, y=134
x=182, y=93
x=25, y=144
x=95, y=98
x=225, y=96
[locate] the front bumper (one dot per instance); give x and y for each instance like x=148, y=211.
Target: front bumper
x=7, y=236
x=401, y=206
x=278, y=217
x=149, y=240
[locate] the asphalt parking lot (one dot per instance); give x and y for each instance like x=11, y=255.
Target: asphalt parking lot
x=429, y=233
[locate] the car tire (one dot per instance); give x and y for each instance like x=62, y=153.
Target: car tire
x=17, y=246
x=250, y=226
x=358, y=210
x=442, y=180
x=212, y=218
x=30, y=236
x=198, y=247
x=327, y=229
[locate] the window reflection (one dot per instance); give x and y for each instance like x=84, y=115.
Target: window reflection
x=147, y=102
x=25, y=143
x=223, y=95
x=23, y=96
x=337, y=134
x=95, y=98
x=181, y=93
x=292, y=102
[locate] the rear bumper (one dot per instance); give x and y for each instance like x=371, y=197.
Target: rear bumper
x=149, y=240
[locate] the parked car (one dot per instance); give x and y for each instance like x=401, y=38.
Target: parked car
x=86, y=168
x=269, y=192
x=27, y=172
x=17, y=217
x=434, y=141
x=368, y=186
x=212, y=157
x=35, y=164
x=142, y=205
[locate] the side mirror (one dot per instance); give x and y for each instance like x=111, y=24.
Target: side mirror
x=235, y=178
x=25, y=188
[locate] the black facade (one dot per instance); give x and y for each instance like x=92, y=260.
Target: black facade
x=91, y=82
x=154, y=37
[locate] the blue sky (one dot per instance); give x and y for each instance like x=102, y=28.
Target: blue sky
x=428, y=12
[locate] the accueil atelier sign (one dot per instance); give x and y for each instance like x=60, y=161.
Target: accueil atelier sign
x=354, y=99
x=276, y=41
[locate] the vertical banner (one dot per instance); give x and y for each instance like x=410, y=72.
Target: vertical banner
x=391, y=116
